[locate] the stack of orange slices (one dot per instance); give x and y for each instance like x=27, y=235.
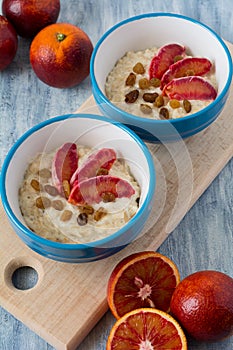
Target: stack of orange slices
x=139, y=292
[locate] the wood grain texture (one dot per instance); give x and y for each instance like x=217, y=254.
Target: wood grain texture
x=203, y=240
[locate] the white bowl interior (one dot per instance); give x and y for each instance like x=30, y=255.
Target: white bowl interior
x=91, y=132
x=157, y=31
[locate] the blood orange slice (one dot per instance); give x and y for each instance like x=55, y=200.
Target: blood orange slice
x=92, y=190
x=164, y=58
x=186, y=67
x=190, y=88
x=64, y=164
x=143, y=279
x=146, y=329
x=101, y=159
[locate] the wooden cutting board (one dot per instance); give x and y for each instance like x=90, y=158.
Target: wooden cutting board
x=69, y=299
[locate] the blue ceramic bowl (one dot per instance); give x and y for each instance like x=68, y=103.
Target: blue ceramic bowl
x=157, y=29
x=94, y=131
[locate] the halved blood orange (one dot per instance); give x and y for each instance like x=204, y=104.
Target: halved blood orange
x=146, y=329
x=144, y=279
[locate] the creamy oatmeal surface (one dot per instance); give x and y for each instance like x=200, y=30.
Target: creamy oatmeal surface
x=116, y=88
x=57, y=219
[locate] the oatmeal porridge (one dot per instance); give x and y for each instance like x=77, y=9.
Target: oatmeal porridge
x=82, y=197
x=165, y=83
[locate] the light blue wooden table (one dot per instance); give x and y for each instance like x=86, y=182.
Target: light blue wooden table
x=203, y=240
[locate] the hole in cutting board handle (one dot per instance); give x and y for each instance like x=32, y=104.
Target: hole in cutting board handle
x=25, y=277
x=23, y=273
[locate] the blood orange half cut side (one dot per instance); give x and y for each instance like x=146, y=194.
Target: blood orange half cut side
x=147, y=329
x=144, y=279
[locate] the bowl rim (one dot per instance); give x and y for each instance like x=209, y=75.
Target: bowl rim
x=76, y=246
x=131, y=117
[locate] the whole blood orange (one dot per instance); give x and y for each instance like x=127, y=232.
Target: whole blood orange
x=60, y=55
x=8, y=42
x=146, y=329
x=143, y=279
x=203, y=304
x=30, y=16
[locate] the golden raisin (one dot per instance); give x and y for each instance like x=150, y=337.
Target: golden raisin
x=130, y=80
x=145, y=108
x=174, y=103
x=66, y=215
x=57, y=204
x=189, y=73
x=187, y=106
x=87, y=209
x=99, y=214
x=150, y=97
x=159, y=101
x=178, y=58
x=45, y=173
x=66, y=188
x=35, y=185
x=108, y=197
x=132, y=96
x=126, y=216
x=43, y=202
x=155, y=82
x=102, y=171
x=51, y=190
x=144, y=83
x=164, y=113
x=138, y=68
